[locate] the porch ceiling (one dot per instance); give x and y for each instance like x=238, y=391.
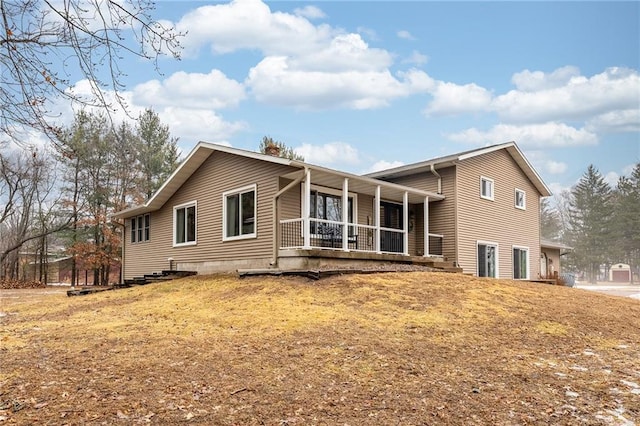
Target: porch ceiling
x=364, y=185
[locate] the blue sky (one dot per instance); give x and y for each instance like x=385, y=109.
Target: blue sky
x=360, y=86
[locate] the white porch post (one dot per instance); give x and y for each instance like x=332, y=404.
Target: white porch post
x=345, y=214
x=376, y=219
x=426, y=227
x=306, y=224
x=405, y=218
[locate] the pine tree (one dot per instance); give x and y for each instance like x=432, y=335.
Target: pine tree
x=283, y=150
x=157, y=152
x=550, y=223
x=627, y=218
x=590, y=222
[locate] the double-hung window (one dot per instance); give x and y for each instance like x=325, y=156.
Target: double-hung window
x=520, y=199
x=184, y=224
x=140, y=228
x=239, y=213
x=486, y=188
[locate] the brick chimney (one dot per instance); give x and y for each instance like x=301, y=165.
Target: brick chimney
x=273, y=150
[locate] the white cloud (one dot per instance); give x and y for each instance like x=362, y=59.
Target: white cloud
x=185, y=122
x=542, y=163
x=580, y=98
x=345, y=52
x=382, y=165
x=329, y=153
x=191, y=90
x=310, y=12
x=199, y=124
x=450, y=98
x=534, y=81
x=416, y=58
x=304, y=65
x=555, y=167
x=627, y=170
x=405, y=35
x=545, y=135
x=250, y=24
x=557, y=189
x=616, y=121
x=611, y=178
x=273, y=81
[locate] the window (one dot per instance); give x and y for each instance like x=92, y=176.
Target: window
x=520, y=199
x=326, y=203
x=520, y=263
x=140, y=228
x=184, y=224
x=486, y=188
x=487, y=260
x=239, y=213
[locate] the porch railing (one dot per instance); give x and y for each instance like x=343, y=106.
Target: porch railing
x=327, y=234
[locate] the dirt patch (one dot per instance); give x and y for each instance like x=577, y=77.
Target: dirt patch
x=392, y=348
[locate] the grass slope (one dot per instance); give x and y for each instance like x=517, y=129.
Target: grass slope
x=395, y=348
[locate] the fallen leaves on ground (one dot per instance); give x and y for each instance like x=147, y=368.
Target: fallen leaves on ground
x=390, y=348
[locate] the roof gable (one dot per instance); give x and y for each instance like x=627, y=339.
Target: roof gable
x=451, y=160
x=191, y=163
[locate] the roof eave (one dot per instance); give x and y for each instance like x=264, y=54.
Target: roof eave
x=194, y=159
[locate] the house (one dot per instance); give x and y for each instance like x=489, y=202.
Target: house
x=225, y=209
x=490, y=216
x=551, y=253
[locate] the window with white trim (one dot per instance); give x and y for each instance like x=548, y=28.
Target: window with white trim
x=521, y=199
x=239, y=213
x=520, y=263
x=184, y=224
x=486, y=188
x=140, y=228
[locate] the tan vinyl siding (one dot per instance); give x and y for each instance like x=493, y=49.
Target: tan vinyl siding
x=219, y=173
x=441, y=213
x=290, y=203
x=497, y=221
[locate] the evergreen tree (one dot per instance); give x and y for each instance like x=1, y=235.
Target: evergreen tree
x=157, y=152
x=589, y=218
x=284, y=151
x=550, y=223
x=627, y=218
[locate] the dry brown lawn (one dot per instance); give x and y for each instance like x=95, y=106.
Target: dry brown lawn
x=382, y=349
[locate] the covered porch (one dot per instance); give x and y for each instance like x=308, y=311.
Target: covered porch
x=319, y=210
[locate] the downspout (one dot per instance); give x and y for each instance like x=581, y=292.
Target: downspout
x=436, y=174
x=274, y=260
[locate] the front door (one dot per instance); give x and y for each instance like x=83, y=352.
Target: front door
x=391, y=218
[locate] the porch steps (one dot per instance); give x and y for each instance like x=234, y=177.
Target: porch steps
x=157, y=277
x=445, y=266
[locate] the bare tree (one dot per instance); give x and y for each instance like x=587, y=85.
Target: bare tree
x=26, y=183
x=44, y=44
